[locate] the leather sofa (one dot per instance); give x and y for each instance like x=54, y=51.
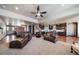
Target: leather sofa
x=38, y=34
x=50, y=38
x=20, y=42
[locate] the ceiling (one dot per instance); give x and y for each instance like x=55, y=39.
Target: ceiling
x=54, y=11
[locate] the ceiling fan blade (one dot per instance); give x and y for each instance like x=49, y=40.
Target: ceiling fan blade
x=36, y=16
x=43, y=12
x=34, y=12
x=38, y=8
x=41, y=15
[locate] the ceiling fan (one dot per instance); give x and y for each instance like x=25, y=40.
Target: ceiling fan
x=38, y=13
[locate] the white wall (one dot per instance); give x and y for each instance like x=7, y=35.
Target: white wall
x=2, y=24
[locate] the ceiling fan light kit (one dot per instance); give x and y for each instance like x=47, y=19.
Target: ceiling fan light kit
x=38, y=12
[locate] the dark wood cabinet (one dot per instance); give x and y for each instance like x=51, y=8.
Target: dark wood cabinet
x=60, y=27
x=50, y=27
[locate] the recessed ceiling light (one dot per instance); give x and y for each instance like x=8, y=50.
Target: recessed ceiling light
x=63, y=5
x=16, y=8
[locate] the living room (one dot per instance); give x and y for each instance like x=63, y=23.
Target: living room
x=39, y=29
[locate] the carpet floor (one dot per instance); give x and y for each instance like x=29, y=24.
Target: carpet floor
x=38, y=46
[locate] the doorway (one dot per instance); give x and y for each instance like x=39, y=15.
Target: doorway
x=72, y=29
